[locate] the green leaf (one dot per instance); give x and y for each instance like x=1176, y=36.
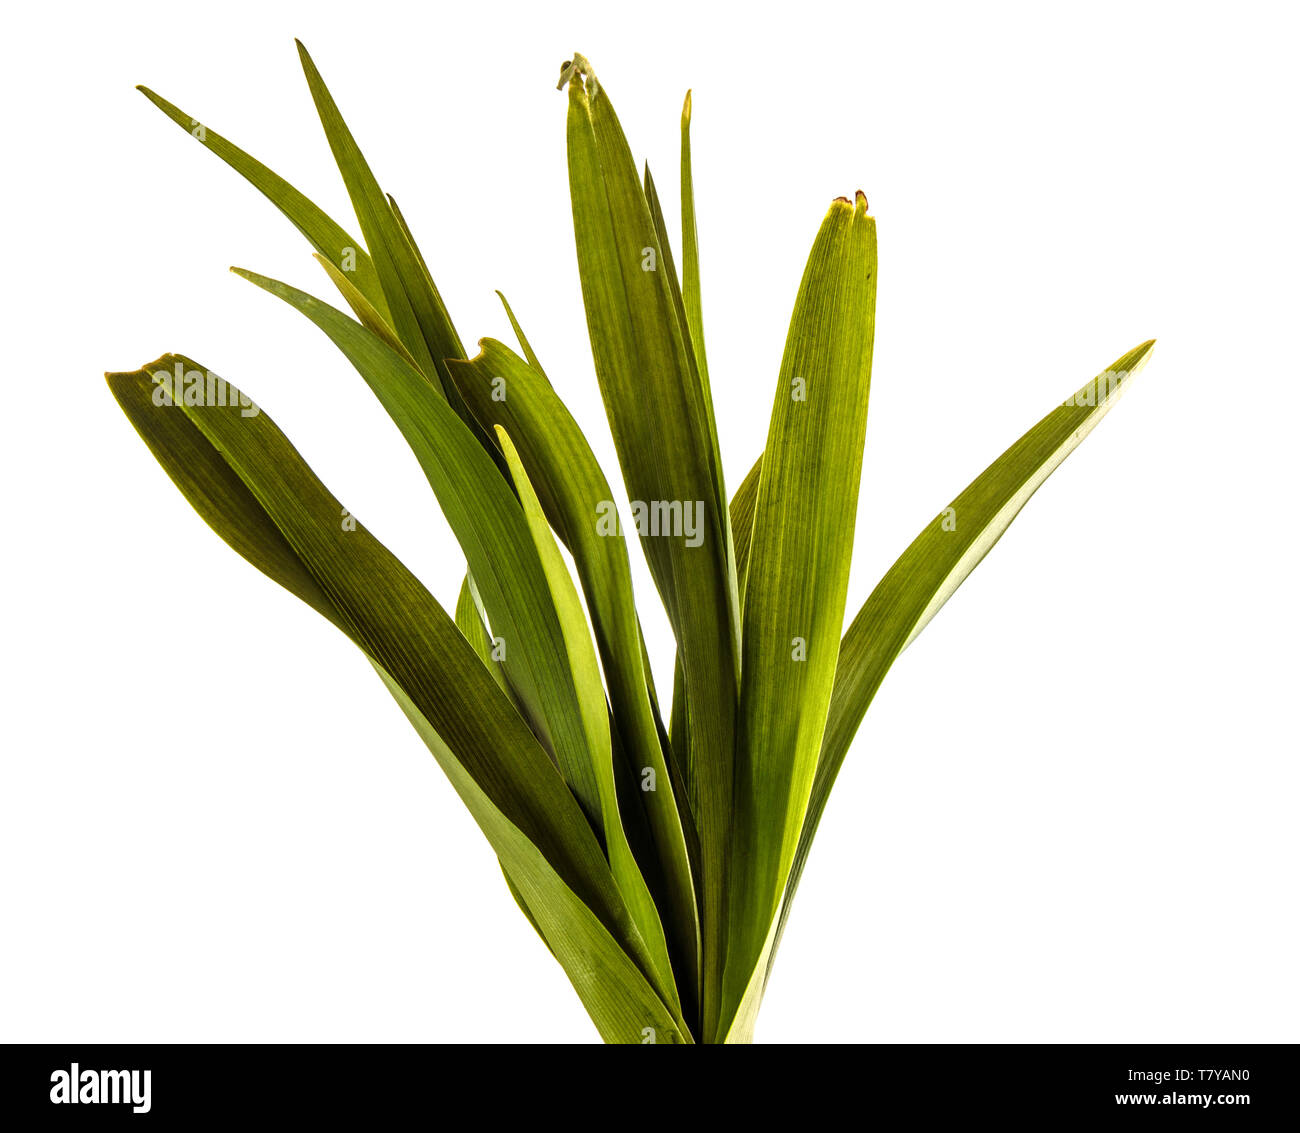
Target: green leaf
x=524, y=344
x=615, y=992
x=583, y=665
x=742, y=520
x=503, y=390
x=446, y=343
x=669, y=271
x=654, y=402
x=326, y=236
x=417, y=311
x=249, y=484
x=691, y=260
x=797, y=579
x=366, y=313
x=938, y=561
x=491, y=528
x=469, y=620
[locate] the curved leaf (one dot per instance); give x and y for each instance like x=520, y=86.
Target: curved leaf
x=938, y=560
x=323, y=233
x=491, y=529
x=249, y=484
x=503, y=390
x=595, y=717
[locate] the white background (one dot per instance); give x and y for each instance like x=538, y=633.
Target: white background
x=1071, y=813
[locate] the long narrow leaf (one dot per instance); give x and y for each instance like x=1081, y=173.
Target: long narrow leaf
x=248, y=483
x=797, y=579
x=691, y=295
x=324, y=234
x=585, y=668
x=418, y=314
x=469, y=620
x=653, y=399
x=578, y=502
x=524, y=344
x=936, y=563
x=669, y=273
x=490, y=527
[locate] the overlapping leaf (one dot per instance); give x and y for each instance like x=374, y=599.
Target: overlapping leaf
x=797, y=580
x=658, y=866
x=654, y=401
x=583, y=665
x=937, y=562
x=418, y=314
x=504, y=391
x=324, y=234
x=244, y=478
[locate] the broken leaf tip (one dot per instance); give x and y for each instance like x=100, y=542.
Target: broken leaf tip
x=855, y=206
x=575, y=68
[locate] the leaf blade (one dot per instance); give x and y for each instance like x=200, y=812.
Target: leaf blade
x=595, y=717
x=797, y=576
x=934, y=566
x=652, y=396
x=572, y=491
x=249, y=484
x=324, y=234
x=488, y=523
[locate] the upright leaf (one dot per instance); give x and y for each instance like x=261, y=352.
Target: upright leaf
x=578, y=502
x=418, y=314
x=469, y=620
x=653, y=399
x=691, y=295
x=524, y=344
x=938, y=561
x=595, y=717
x=797, y=578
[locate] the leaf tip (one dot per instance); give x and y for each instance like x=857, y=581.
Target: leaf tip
x=478, y=358
x=1138, y=355
x=686, y=111
x=853, y=208
x=573, y=69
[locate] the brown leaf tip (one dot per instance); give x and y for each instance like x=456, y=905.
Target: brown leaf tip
x=574, y=70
